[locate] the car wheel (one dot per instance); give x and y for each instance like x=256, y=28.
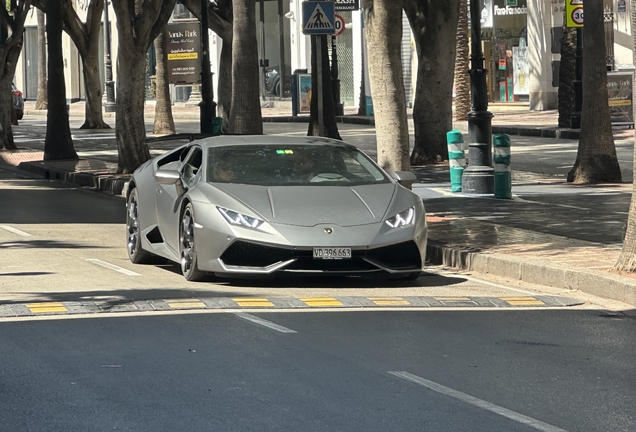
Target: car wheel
x=277, y=90
x=133, y=236
x=19, y=115
x=189, y=266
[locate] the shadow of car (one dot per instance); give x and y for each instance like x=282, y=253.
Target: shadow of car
x=18, y=102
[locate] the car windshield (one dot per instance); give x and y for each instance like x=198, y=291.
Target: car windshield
x=272, y=165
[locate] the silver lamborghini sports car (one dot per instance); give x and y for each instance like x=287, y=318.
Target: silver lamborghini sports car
x=270, y=204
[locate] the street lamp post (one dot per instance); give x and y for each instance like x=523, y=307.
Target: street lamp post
x=109, y=104
x=335, y=81
x=575, y=118
x=479, y=177
x=207, y=106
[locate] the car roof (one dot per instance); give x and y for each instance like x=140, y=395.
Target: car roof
x=239, y=140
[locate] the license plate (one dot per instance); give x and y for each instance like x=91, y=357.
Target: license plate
x=332, y=253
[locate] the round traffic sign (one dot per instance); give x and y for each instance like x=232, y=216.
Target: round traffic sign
x=577, y=16
x=339, y=24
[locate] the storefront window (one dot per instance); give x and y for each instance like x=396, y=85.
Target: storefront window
x=508, y=48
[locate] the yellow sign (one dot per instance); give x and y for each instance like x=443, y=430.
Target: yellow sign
x=574, y=13
x=620, y=102
x=183, y=56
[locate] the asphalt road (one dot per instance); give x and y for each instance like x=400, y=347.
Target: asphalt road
x=398, y=371
x=456, y=367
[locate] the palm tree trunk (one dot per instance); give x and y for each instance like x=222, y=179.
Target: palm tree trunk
x=567, y=75
x=224, y=88
x=41, y=100
x=58, y=143
x=596, y=160
x=245, y=109
x=164, y=123
x=627, y=259
x=383, y=31
x=328, y=107
x=462, y=79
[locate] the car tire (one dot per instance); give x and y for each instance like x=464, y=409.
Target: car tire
x=277, y=89
x=19, y=115
x=133, y=235
x=187, y=246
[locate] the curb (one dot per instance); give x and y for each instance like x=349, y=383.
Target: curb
x=605, y=285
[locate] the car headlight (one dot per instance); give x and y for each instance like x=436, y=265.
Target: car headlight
x=239, y=219
x=402, y=219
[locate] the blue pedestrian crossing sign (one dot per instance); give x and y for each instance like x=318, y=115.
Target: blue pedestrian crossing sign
x=319, y=17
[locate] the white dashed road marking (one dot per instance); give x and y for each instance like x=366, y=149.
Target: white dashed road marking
x=15, y=231
x=264, y=323
x=112, y=267
x=479, y=403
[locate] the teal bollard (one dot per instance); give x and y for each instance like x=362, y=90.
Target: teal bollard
x=501, y=159
x=456, y=159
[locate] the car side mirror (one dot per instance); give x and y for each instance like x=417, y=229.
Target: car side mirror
x=167, y=177
x=405, y=178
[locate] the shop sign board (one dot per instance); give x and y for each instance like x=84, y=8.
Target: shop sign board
x=621, y=99
x=184, y=45
x=318, y=18
x=347, y=5
x=520, y=70
x=304, y=93
x=574, y=13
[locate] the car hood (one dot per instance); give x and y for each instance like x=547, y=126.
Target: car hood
x=314, y=205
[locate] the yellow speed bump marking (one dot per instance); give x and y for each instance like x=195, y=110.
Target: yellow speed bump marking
x=46, y=307
x=389, y=301
x=253, y=302
x=321, y=301
x=185, y=303
x=522, y=301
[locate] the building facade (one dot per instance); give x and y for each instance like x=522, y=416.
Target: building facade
x=520, y=39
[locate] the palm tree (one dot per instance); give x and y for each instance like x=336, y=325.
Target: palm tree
x=245, y=109
x=567, y=75
x=383, y=31
x=462, y=79
x=58, y=143
x=41, y=100
x=596, y=160
x=627, y=260
x=164, y=123
x=328, y=107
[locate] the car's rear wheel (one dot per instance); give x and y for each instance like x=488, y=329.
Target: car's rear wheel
x=189, y=266
x=133, y=234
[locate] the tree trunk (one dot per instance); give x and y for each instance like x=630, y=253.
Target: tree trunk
x=41, y=100
x=567, y=75
x=245, y=109
x=328, y=107
x=93, y=117
x=129, y=111
x=383, y=31
x=596, y=160
x=11, y=38
x=627, y=259
x=434, y=25
x=462, y=65
x=164, y=123
x=137, y=28
x=224, y=88
x=58, y=143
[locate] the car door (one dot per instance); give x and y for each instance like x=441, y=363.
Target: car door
x=169, y=197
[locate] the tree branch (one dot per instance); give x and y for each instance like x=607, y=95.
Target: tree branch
x=220, y=22
x=74, y=27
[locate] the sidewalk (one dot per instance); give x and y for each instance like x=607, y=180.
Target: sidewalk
x=550, y=233
x=509, y=118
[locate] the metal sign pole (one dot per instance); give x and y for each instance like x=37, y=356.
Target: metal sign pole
x=321, y=119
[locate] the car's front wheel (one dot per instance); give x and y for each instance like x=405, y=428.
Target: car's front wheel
x=189, y=266
x=133, y=234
